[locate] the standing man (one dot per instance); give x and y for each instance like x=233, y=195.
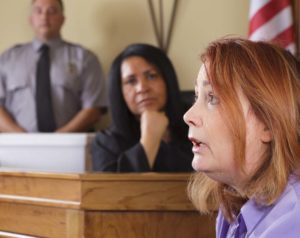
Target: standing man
x=49, y=85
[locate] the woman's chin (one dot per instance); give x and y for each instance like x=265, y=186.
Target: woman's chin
x=150, y=107
x=196, y=164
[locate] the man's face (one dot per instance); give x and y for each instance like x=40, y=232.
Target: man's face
x=46, y=19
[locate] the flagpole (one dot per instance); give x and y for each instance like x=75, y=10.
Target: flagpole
x=296, y=16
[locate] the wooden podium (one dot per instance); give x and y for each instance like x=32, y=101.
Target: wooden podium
x=96, y=205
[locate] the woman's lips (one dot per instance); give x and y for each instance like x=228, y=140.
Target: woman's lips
x=146, y=101
x=197, y=145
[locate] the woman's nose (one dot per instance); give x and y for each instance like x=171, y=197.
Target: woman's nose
x=192, y=116
x=142, y=85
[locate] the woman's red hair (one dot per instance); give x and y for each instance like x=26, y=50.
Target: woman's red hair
x=268, y=76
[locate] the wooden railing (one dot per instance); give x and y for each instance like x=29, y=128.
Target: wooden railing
x=99, y=205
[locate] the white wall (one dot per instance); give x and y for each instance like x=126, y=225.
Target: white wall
x=107, y=26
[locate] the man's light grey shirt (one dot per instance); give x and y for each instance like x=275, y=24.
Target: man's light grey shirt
x=77, y=81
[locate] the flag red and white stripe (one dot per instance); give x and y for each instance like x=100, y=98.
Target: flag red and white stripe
x=272, y=20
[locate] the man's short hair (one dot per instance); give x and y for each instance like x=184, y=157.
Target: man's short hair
x=60, y=2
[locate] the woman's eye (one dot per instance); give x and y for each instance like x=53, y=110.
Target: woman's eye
x=152, y=76
x=212, y=99
x=130, y=81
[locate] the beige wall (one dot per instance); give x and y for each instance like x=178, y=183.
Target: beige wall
x=107, y=26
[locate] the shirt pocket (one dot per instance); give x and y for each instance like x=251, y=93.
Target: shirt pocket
x=18, y=87
x=19, y=96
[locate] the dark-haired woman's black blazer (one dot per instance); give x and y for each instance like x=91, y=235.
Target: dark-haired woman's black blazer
x=111, y=152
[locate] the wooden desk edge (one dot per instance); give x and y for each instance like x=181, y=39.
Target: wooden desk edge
x=105, y=176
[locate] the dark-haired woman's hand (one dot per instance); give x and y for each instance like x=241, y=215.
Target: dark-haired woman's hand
x=153, y=127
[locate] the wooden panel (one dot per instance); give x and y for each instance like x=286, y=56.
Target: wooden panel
x=135, y=191
x=151, y=191
x=33, y=220
x=75, y=224
x=50, y=188
x=41, y=221
x=135, y=195
x=149, y=225
x=99, y=205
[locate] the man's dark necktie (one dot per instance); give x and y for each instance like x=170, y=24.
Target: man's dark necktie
x=44, y=108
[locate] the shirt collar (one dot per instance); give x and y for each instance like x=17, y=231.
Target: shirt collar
x=53, y=43
x=253, y=213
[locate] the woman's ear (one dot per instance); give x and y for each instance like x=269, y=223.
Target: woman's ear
x=266, y=135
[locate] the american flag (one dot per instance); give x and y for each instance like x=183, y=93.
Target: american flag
x=272, y=20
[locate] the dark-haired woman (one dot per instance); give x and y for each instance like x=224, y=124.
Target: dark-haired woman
x=147, y=131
